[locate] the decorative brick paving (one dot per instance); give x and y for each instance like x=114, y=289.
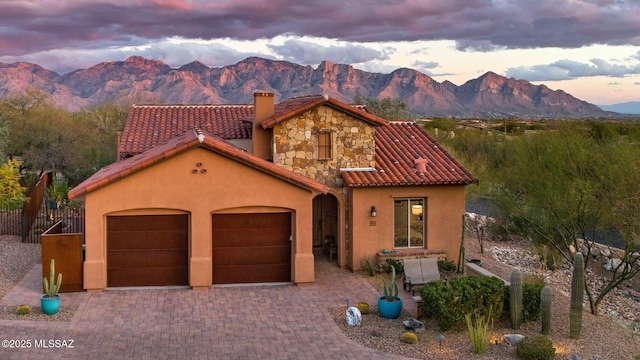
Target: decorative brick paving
x=243, y=322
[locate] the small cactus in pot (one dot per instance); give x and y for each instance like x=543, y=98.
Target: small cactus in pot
x=50, y=300
x=389, y=304
x=390, y=290
x=51, y=288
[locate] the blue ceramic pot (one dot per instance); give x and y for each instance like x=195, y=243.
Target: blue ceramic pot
x=389, y=309
x=49, y=305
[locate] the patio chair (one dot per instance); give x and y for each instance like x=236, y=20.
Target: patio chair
x=418, y=272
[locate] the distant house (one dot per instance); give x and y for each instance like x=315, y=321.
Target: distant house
x=217, y=194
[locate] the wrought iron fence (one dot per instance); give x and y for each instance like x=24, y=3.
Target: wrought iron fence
x=34, y=216
x=16, y=222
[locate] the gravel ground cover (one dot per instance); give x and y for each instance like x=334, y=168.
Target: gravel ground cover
x=603, y=336
x=16, y=260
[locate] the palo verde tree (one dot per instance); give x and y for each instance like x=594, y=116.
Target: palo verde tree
x=569, y=190
x=387, y=108
x=48, y=137
x=12, y=193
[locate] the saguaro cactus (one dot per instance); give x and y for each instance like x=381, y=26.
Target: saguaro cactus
x=577, y=293
x=546, y=297
x=515, y=298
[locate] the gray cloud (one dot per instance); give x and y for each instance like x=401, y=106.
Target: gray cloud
x=173, y=54
x=477, y=25
x=306, y=52
x=569, y=69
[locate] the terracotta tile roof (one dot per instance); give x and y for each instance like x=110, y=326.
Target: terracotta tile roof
x=297, y=105
x=149, y=125
x=181, y=143
x=397, y=147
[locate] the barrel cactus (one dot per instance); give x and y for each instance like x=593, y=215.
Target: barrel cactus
x=23, y=310
x=577, y=294
x=515, y=298
x=409, y=337
x=546, y=297
x=363, y=307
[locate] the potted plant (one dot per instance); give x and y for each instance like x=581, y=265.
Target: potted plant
x=50, y=300
x=58, y=194
x=389, y=304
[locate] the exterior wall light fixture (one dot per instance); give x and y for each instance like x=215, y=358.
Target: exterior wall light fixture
x=374, y=213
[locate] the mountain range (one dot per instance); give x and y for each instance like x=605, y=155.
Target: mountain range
x=631, y=107
x=151, y=81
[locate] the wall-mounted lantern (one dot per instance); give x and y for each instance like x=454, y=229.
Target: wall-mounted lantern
x=374, y=213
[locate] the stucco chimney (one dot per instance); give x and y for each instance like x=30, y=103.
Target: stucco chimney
x=261, y=138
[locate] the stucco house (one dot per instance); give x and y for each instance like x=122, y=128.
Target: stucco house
x=218, y=194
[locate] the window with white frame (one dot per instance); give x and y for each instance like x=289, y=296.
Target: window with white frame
x=408, y=223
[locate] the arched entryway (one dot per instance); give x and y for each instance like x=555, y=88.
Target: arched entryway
x=325, y=226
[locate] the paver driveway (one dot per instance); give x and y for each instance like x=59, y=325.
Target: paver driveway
x=243, y=322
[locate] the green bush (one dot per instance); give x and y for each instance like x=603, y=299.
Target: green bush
x=397, y=264
x=530, y=300
x=448, y=304
x=444, y=265
x=537, y=347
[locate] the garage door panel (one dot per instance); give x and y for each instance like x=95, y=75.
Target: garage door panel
x=148, y=222
x=251, y=237
x=239, y=221
x=148, y=240
x=147, y=250
x=146, y=277
x=251, y=274
x=251, y=248
x=144, y=259
x=244, y=256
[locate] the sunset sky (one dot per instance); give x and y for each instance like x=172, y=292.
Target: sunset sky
x=588, y=48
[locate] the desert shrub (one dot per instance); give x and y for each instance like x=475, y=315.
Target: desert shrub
x=537, y=347
x=409, y=338
x=367, y=265
x=479, y=330
x=397, y=264
x=530, y=299
x=444, y=265
x=448, y=304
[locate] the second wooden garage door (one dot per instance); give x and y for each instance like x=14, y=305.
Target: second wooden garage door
x=147, y=250
x=251, y=248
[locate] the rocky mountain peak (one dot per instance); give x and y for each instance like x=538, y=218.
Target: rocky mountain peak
x=490, y=95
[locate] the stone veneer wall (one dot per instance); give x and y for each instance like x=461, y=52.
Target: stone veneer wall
x=295, y=144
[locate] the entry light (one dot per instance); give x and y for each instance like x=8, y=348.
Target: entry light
x=374, y=213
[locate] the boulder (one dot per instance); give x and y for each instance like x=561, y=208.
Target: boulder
x=513, y=339
x=413, y=325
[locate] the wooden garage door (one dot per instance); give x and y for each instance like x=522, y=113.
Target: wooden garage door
x=147, y=250
x=251, y=248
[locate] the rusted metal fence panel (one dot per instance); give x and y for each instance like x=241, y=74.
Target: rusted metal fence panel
x=66, y=249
